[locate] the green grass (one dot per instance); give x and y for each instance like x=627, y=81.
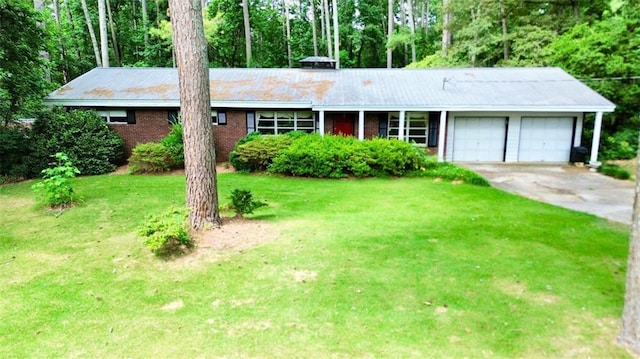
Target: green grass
x=392, y=268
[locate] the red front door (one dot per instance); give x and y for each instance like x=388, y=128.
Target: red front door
x=343, y=125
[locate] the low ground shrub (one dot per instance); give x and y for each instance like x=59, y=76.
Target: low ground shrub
x=57, y=189
x=242, y=202
x=15, y=147
x=450, y=172
x=151, y=157
x=167, y=234
x=622, y=145
x=615, y=171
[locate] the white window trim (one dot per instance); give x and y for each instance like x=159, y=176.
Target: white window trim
x=411, y=117
x=114, y=117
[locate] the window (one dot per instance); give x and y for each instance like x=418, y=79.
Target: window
x=416, y=125
x=116, y=116
x=218, y=117
x=272, y=123
x=173, y=117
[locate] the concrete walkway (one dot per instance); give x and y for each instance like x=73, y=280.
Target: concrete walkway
x=567, y=186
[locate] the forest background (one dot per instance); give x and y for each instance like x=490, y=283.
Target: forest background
x=46, y=43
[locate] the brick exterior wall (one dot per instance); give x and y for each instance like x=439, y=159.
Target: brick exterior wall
x=227, y=135
x=151, y=125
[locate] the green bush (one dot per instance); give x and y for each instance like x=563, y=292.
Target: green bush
x=615, y=171
x=174, y=143
x=622, y=145
x=167, y=234
x=15, y=148
x=233, y=156
x=82, y=135
x=151, y=157
x=257, y=154
x=338, y=156
x=56, y=190
x=242, y=202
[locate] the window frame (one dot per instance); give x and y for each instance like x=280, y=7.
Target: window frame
x=280, y=122
x=115, y=116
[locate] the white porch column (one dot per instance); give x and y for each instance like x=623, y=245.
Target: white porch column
x=321, y=123
x=442, y=130
x=401, y=126
x=361, y=125
x=595, y=144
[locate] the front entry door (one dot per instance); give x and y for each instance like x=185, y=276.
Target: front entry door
x=343, y=124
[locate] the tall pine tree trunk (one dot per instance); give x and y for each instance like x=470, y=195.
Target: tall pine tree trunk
x=314, y=29
x=505, y=32
x=287, y=29
x=195, y=105
x=145, y=23
x=630, y=333
x=104, y=38
x=446, y=24
x=92, y=34
x=412, y=29
x=247, y=31
x=336, y=34
x=114, y=37
x=327, y=26
x=390, y=21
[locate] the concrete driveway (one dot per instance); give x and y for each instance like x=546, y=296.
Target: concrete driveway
x=567, y=186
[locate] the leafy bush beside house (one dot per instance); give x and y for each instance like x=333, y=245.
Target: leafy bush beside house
x=15, y=146
x=160, y=156
x=82, y=135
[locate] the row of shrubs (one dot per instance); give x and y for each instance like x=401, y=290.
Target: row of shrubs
x=82, y=135
x=162, y=156
x=330, y=156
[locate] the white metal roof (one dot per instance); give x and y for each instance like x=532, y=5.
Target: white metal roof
x=455, y=89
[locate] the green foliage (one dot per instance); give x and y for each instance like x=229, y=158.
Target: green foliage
x=258, y=153
x=15, y=147
x=57, y=189
x=151, y=157
x=615, y=171
x=621, y=145
x=22, y=80
x=174, y=143
x=450, y=172
x=338, y=156
x=82, y=135
x=242, y=202
x=233, y=156
x=167, y=234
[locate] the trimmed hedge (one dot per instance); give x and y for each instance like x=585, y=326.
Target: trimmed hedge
x=256, y=152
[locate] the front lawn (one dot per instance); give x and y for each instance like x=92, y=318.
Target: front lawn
x=384, y=268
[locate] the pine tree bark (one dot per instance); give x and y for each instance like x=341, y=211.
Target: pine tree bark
x=412, y=28
x=327, y=26
x=247, y=31
x=314, y=30
x=446, y=23
x=195, y=106
x=390, y=21
x=505, y=32
x=336, y=34
x=287, y=29
x=92, y=34
x=114, y=37
x=630, y=333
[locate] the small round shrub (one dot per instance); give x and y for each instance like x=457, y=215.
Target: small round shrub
x=233, y=156
x=167, y=234
x=242, y=202
x=151, y=157
x=82, y=135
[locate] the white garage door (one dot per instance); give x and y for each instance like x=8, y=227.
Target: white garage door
x=545, y=139
x=479, y=139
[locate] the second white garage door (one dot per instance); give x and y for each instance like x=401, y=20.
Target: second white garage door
x=479, y=139
x=545, y=139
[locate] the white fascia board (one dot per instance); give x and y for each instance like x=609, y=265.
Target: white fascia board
x=176, y=103
x=256, y=105
x=467, y=108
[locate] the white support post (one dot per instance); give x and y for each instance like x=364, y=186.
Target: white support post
x=361, y=125
x=595, y=144
x=442, y=130
x=321, y=123
x=401, y=126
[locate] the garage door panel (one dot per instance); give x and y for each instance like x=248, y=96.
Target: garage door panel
x=479, y=139
x=545, y=139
